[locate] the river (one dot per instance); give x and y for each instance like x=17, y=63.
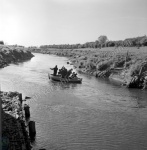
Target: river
x=95, y=115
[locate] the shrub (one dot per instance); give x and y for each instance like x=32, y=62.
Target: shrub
x=81, y=64
x=134, y=69
x=104, y=65
x=127, y=64
x=1, y=42
x=83, y=58
x=90, y=65
x=119, y=63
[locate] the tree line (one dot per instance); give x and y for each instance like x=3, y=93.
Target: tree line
x=1, y=43
x=103, y=41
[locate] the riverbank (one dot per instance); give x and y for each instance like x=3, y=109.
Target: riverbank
x=13, y=54
x=14, y=133
x=121, y=63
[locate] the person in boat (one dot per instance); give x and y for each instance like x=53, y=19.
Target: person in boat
x=69, y=72
x=59, y=72
x=55, y=70
x=63, y=68
x=63, y=72
x=74, y=75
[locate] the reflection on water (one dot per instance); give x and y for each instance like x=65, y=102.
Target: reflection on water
x=94, y=115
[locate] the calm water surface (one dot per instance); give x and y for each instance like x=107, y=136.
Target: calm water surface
x=95, y=115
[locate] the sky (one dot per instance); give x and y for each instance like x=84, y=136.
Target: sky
x=46, y=22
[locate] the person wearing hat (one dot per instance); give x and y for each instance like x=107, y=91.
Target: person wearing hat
x=55, y=70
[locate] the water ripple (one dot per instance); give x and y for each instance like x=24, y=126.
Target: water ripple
x=94, y=115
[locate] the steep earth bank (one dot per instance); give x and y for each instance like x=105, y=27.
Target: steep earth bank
x=125, y=64
x=14, y=133
x=13, y=54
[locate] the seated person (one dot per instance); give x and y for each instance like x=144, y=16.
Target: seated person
x=63, y=72
x=74, y=75
x=69, y=72
x=59, y=72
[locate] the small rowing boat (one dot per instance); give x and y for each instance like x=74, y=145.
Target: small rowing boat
x=60, y=79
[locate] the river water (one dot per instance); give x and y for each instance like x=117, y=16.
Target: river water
x=95, y=115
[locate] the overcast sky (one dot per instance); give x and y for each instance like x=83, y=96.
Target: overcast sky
x=39, y=22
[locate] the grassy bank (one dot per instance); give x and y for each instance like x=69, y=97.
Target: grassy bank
x=12, y=54
x=121, y=63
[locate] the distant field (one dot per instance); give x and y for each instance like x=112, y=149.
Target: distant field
x=121, y=49
x=107, y=49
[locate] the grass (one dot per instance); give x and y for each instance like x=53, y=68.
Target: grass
x=130, y=59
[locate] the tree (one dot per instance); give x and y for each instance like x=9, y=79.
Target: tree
x=143, y=41
x=96, y=44
x=1, y=42
x=102, y=40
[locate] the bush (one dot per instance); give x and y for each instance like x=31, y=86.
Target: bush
x=81, y=64
x=104, y=65
x=127, y=64
x=143, y=41
x=90, y=65
x=83, y=58
x=119, y=63
x=1, y=42
x=134, y=70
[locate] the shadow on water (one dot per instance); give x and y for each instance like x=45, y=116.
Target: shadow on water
x=62, y=85
x=115, y=92
x=137, y=96
x=21, y=62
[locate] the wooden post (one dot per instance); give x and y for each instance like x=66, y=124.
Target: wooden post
x=20, y=97
x=27, y=110
x=32, y=129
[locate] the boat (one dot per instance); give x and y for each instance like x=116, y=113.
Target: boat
x=65, y=80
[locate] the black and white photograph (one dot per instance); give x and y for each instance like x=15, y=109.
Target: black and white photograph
x=73, y=74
